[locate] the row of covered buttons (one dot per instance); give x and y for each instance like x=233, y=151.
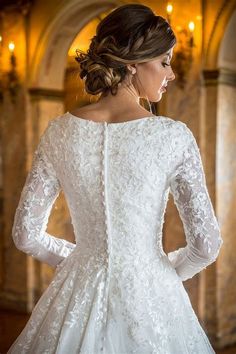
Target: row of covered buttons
x=106, y=239
x=103, y=147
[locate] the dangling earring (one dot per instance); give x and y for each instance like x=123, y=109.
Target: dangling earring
x=133, y=71
x=149, y=104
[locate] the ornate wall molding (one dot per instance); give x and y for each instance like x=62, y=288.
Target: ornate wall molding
x=37, y=93
x=227, y=77
x=218, y=76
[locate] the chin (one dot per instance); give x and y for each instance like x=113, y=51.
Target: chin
x=156, y=98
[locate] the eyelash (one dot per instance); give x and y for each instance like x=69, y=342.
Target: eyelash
x=165, y=64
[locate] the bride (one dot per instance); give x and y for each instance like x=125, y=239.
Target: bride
x=116, y=291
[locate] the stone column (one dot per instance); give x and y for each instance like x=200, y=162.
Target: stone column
x=218, y=129
x=208, y=127
x=1, y=195
x=14, y=152
x=226, y=206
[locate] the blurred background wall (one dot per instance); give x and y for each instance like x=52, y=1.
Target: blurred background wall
x=39, y=80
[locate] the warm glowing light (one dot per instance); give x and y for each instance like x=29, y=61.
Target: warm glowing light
x=0, y=38
x=169, y=9
x=191, y=26
x=11, y=47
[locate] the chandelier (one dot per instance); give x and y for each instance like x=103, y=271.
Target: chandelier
x=183, y=53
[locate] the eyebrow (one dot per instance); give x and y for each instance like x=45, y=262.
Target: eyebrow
x=168, y=55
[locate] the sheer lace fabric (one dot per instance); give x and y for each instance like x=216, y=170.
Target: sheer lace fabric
x=115, y=290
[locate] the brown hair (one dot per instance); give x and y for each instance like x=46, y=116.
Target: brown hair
x=129, y=34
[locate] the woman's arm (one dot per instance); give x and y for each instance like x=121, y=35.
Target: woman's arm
x=39, y=193
x=189, y=190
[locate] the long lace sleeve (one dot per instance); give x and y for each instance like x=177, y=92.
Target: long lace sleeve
x=189, y=190
x=39, y=193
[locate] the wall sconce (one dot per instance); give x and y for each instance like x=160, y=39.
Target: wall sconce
x=183, y=53
x=9, y=80
x=13, y=82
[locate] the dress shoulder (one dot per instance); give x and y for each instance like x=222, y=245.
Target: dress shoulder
x=179, y=138
x=180, y=134
x=49, y=145
x=54, y=129
x=177, y=127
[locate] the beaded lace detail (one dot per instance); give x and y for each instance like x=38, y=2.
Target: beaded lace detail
x=116, y=290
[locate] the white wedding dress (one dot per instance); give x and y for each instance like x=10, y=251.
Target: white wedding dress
x=116, y=291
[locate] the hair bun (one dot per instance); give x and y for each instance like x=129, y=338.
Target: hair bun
x=99, y=76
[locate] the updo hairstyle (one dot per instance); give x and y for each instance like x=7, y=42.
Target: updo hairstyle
x=127, y=35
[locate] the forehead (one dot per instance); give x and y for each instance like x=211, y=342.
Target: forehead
x=166, y=54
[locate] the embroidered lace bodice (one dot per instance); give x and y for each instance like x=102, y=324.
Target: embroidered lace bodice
x=116, y=178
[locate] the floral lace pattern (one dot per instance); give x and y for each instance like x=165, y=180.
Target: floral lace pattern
x=188, y=187
x=116, y=291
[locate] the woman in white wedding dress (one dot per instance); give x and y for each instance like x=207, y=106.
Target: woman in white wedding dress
x=115, y=291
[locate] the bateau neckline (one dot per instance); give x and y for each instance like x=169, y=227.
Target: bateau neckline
x=112, y=123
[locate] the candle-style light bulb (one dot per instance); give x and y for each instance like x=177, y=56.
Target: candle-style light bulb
x=11, y=47
x=169, y=10
x=191, y=26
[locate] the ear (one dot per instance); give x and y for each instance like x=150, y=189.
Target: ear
x=132, y=68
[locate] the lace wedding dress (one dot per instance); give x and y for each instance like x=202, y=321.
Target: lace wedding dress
x=116, y=291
